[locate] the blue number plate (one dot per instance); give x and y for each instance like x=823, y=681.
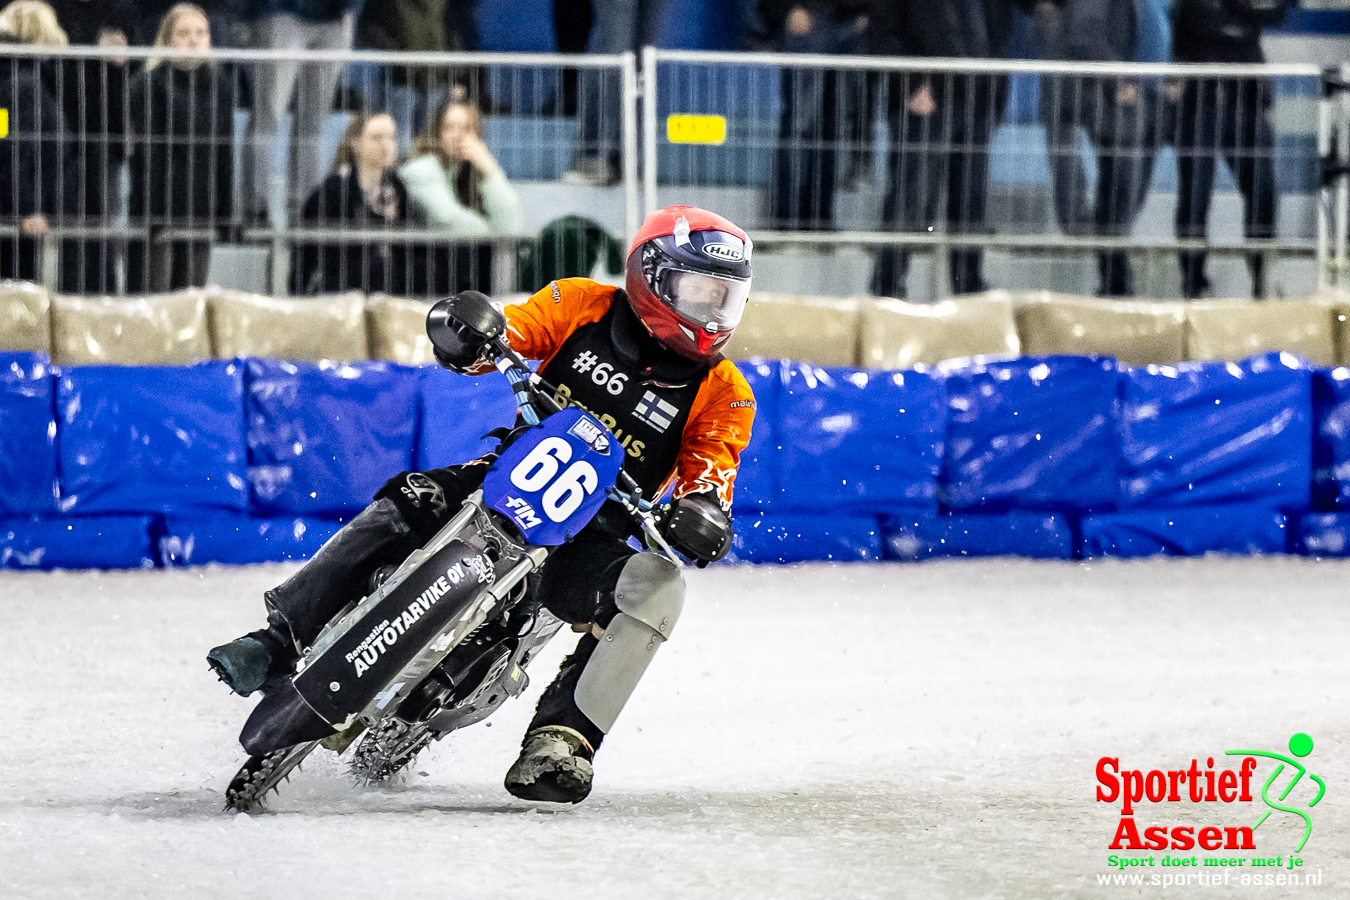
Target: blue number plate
x=552, y=481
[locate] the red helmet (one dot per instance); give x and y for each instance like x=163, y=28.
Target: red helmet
x=689, y=278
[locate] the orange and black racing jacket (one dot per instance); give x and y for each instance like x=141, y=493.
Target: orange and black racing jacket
x=682, y=423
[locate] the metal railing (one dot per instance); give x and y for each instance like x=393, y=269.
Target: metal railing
x=159, y=158
x=158, y=177
x=1033, y=161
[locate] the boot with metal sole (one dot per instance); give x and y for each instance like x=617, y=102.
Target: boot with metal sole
x=247, y=663
x=554, y=766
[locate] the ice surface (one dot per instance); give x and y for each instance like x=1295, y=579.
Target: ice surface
x=926, y=731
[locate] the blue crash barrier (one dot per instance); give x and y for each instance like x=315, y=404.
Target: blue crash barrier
x=1186, y=531
x=1048, y=457
x=87, y=542
x=456, y=412
x=324, y=437
x=151, y=439
x=27, y=436
x=234, y=540
x=788, y=538
x=857, y=440
x=1323, y=534
x=1331, y=438
x=757, y=486
x=1032, y=433
x=1042, y=535
x=1204, y=433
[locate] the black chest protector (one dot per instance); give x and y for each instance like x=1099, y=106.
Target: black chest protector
x=637, y=388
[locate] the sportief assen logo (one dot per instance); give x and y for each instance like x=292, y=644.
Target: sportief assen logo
x=1289, y=788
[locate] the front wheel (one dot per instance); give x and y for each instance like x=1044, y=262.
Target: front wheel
x=262, y=773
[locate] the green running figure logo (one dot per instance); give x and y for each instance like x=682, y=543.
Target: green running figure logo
x=1300, y=745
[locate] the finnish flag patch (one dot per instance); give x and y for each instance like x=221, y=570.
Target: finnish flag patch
x=656, y=412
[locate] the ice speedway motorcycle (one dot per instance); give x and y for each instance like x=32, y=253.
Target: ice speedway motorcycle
x=444, y=639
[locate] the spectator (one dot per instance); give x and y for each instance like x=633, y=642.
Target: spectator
x=34, y=158
x=364, y=191
x=1119, y=115
x=293, y=25
x=819, y=106
x=940, y=127
x=463, y=193
x=93, y=95
x=617, y=26
x=1228, y=116
x=417, y=26
x=572, y=21
x=103, y=23
x=460, y=20
x=182, y=166
x=230, y=26
x=456, y=180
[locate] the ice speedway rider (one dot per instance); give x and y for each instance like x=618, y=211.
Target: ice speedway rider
x=645, y=361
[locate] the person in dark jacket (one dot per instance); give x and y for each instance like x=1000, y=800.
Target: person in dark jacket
x=820, y=107
x=362, y=191
x=1120, y=116
x=941, y=126
x=93, y=96
x=35, y=162
x=1225, y=116
x=182, y=168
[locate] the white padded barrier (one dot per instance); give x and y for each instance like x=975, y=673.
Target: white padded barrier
x=307, y=330
x=25, y=317
x=158, y=330
x=1136, y=332
x=900, y=335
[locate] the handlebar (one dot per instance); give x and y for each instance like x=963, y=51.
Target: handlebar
x=534, y=395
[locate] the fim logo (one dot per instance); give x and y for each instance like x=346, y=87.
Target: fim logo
x=523, y=512
x=656, y=412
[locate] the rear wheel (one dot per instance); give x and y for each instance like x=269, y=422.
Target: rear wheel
x=473, y=670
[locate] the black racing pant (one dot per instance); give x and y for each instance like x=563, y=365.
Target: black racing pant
x=1226, y=117
x=949, y=148
x=1119, y=117
x=576, y=583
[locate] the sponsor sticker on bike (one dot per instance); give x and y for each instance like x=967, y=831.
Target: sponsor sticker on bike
x=590, y=431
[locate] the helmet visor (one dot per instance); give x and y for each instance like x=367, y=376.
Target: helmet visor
x=713, y=302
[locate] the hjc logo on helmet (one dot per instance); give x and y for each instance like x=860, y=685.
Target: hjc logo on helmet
x=724, y=252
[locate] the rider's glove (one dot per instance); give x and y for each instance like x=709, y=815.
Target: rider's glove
x=697, y=527
x=460, y=328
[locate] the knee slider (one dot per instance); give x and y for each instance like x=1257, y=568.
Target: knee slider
x=649, y=595
x=419, y=499
x=651, y=590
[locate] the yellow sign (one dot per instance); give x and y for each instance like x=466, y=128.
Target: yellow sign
x=696, y=129
x=4, y=123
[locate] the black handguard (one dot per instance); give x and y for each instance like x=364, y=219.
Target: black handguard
x=460, y=327
x=697, y=527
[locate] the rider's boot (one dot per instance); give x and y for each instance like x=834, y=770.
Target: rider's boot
x=579, y=708
x=250, y=662
x=554, y=765
x=350, y=565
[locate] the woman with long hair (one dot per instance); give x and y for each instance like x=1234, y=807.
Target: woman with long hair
x=363, y=190
x=456, y=180
x=463, y=193
x=182, y=168
x=34, y=158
